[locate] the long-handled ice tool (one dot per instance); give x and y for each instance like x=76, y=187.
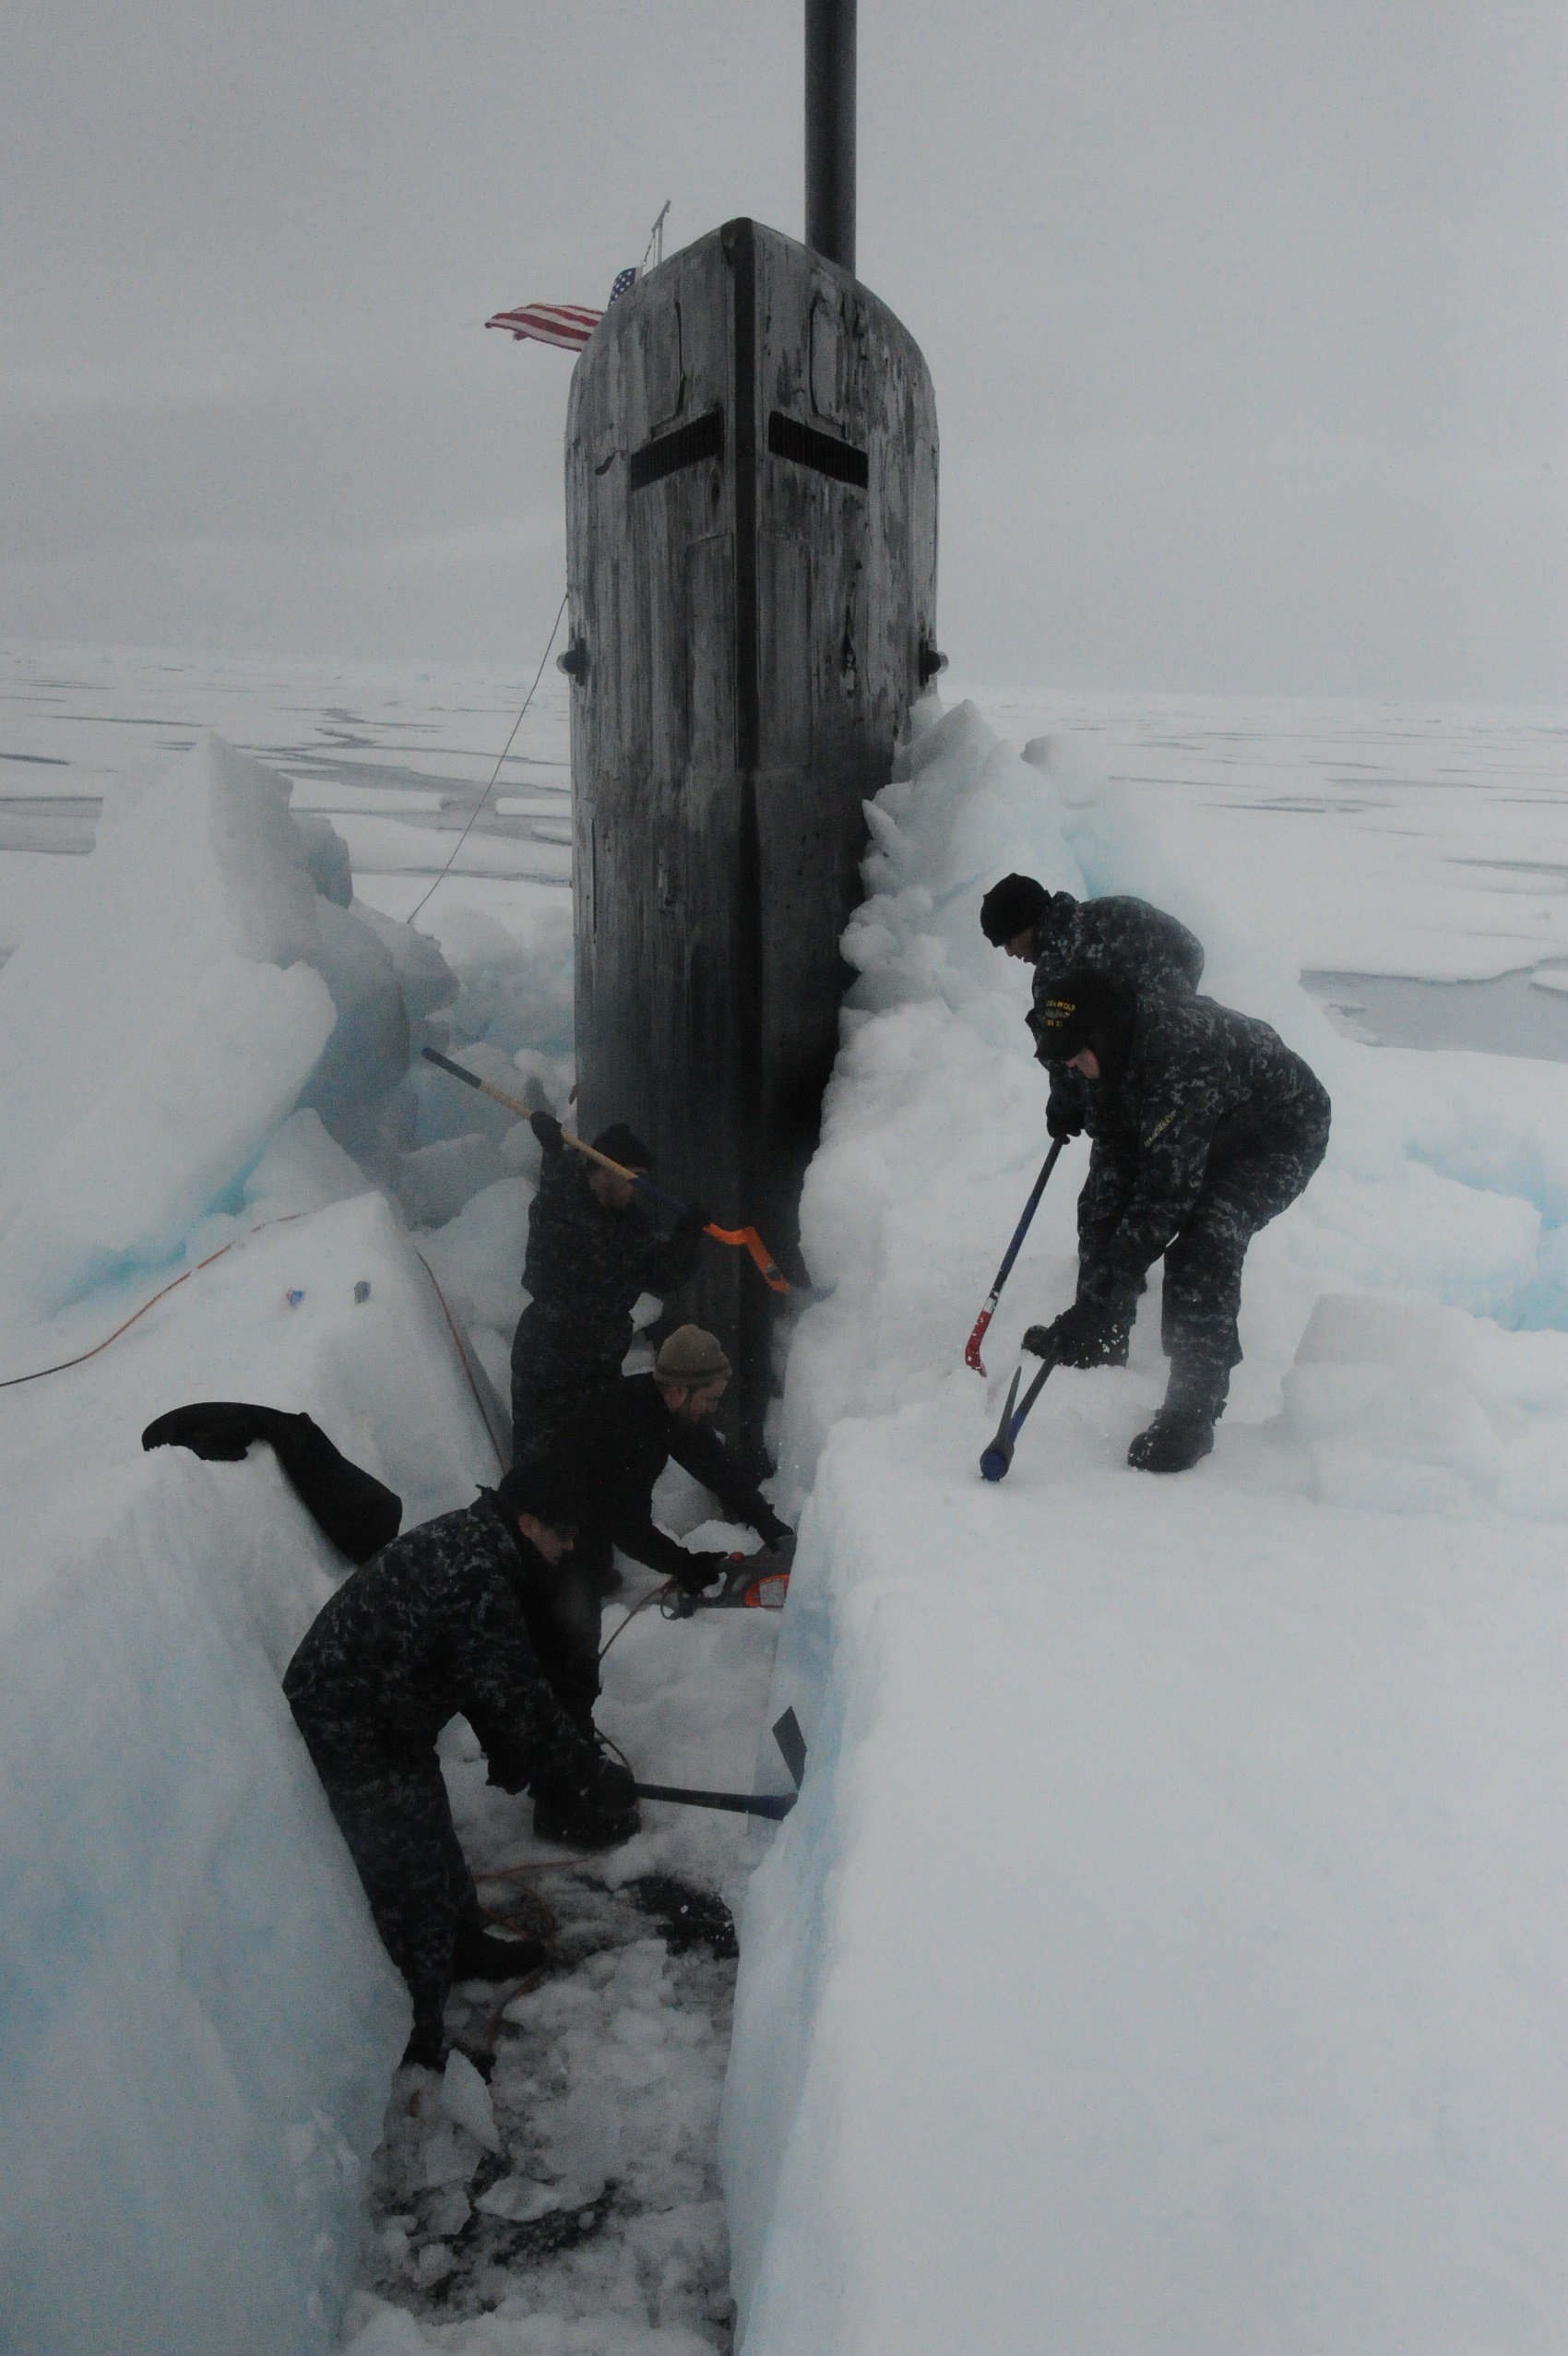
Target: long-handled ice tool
x=740, y=1239
x=777, y=1804
x=973, y=1348
x=997, y=1462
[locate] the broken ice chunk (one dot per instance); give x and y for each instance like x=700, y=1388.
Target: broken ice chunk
x=464, y=2098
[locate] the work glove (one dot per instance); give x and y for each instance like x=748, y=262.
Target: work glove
x=778, y=1539
x=612, y=1790
x=548, y=1130
x=1088, y=1334
x=506, y=1767
x=703, y=1569
x=596, y=1808
x=1063, y=1112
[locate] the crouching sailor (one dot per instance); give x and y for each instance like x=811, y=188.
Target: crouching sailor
x=591, y=1251
x=1206, y=1126
x=431, y=1627
x=1126, y=938
x=610, y=1456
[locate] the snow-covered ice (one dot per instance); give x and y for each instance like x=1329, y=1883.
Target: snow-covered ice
x=199, y=2020
x=1164, y=1952
x=200, y=2025
x=1161, y=1954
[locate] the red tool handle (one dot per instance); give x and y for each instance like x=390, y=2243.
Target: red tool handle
x=972, y=1358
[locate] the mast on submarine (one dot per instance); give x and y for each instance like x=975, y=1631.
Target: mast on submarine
x=750, y=524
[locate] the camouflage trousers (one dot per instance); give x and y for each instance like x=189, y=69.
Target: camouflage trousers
x=1250, y=1179
x=1255, y=1172
x=397, y=1824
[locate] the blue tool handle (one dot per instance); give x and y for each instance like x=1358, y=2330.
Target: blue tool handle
x=656, y=1194
x=1017, y=1245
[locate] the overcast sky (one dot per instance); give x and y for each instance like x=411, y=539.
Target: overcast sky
x=1248, y=318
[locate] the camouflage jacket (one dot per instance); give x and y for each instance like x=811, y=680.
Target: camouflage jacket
x=614, y=1450
x=430, y=1628
x=585, y=1266
x=1200, y=1079
x=1140, y=944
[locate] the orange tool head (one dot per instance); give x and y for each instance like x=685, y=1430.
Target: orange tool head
x=746, y=1239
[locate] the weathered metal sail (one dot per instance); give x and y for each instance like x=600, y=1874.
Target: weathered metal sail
x=751, y=500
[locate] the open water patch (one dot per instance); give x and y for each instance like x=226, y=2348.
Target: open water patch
x=1524, y=1013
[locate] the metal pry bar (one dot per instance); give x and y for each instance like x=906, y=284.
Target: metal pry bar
x=997, y=1460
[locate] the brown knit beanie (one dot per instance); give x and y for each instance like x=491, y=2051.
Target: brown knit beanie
x=692, y=1357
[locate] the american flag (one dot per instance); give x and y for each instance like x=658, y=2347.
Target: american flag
x=566, y=323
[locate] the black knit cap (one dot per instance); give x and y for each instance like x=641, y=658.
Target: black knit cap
x=539, y=1491
x=1010, y=908
x=1086, y=1009
x=624, y=1145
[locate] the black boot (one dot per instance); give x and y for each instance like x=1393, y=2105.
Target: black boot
x=1175, y=1440
x=480, y=1955
x=1182, y=1433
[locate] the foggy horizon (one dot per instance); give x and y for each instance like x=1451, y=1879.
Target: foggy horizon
x=1247, y=330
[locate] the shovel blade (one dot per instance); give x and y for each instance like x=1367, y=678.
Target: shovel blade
x=791, y=1745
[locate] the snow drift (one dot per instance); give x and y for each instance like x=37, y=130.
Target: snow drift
x=192, y=987
x=1159, y=1956
x=198, y=2021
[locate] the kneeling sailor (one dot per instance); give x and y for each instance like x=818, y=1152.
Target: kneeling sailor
x=609, y=1456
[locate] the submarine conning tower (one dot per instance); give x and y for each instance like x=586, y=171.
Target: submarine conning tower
x=752, y=507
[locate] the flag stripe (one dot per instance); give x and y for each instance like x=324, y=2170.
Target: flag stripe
x=567, y=325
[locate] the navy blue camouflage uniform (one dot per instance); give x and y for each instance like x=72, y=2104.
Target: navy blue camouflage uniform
x=1127, y=939
x=609, y=1456
x=432, y=1627
x=1211, y=1127
x=585, y=1266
